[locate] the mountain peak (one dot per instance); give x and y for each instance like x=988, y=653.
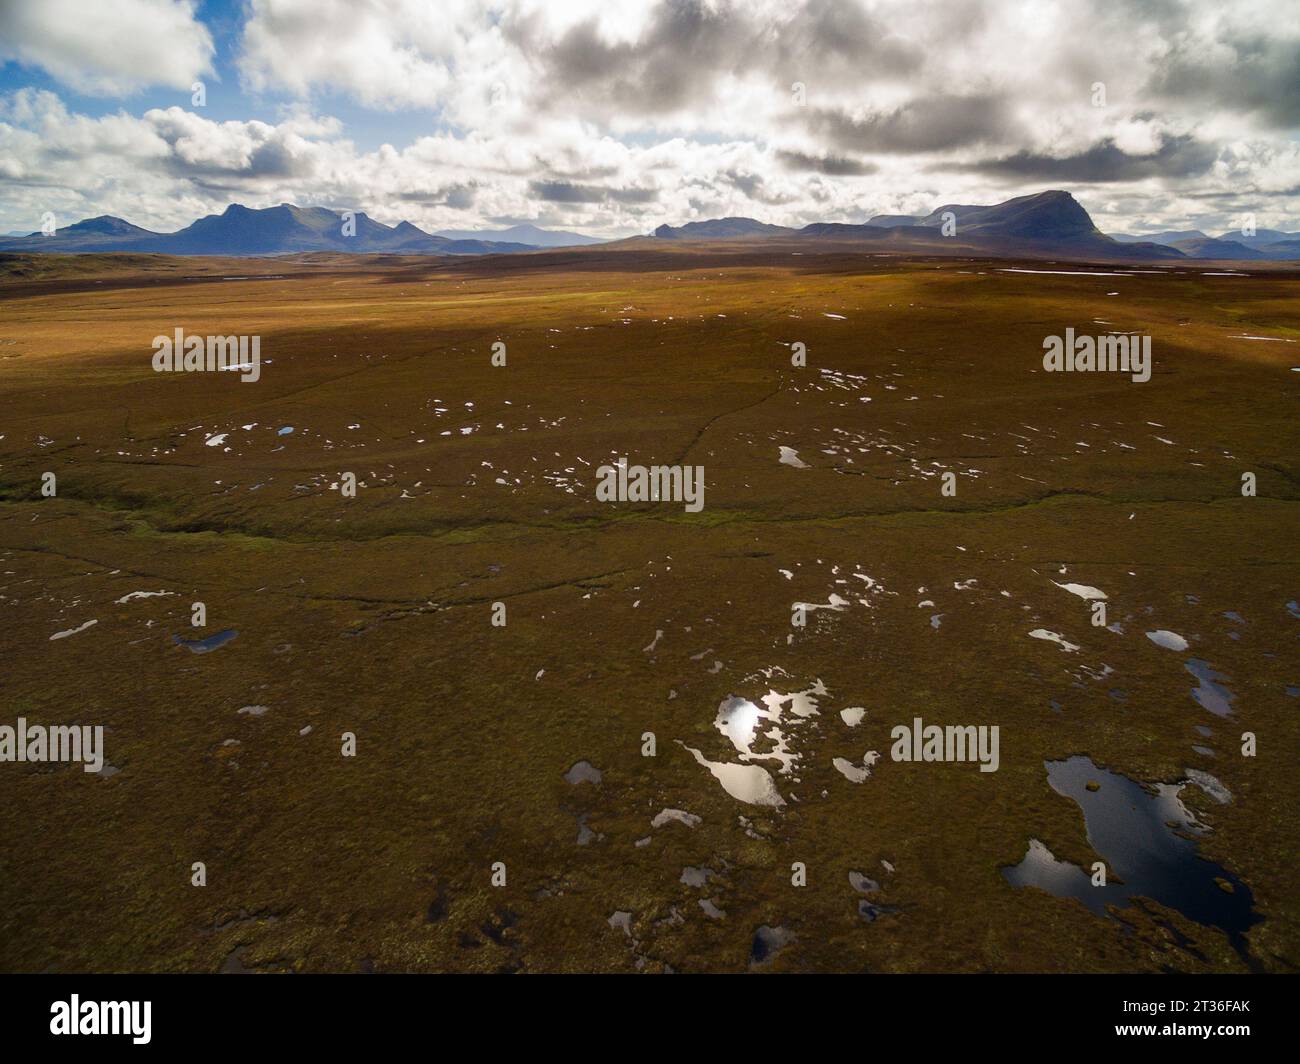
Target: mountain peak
x=1054, y=215
x=524, y=233
x=720, y=229
x=104, y=223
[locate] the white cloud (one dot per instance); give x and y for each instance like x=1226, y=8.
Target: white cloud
x=387, y=53
x=108, y=49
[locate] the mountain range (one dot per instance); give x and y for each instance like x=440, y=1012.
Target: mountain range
x=527, y=233
x=1262, y=244
x=1047, y=224
x=286, y=229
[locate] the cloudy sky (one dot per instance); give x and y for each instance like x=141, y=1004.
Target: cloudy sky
x=613, y=116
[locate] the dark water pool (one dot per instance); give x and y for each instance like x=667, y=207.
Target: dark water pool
x=202, y=646
x=1149, y=843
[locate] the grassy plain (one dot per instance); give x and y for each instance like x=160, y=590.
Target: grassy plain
x=371, y=615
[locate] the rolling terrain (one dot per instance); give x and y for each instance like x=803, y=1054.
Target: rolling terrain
x=524, y=744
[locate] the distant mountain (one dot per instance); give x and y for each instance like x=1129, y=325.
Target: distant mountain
x=1169, y=238
x=1282, y=250
x=527, y=233
x=1207, y=247
x=104, y=233
x=721, y=229
x=240, y=230
x=477, y=247
x=108, y=226
x=244, y=231
x=890, y=221
x=1261, y=237
x=1047, y=223
x=1264, y=244
x=848, y=231
x=1053, y=215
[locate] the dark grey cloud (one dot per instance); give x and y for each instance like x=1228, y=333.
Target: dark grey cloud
x=1177, y=157
x=1249, y=74
x=569, y=192
x=566, y=192
x=685, y=47
x=753, y=187
x=830, y=38
x=456, y=196
x=274, y=159
x=271, y=160
x=1247, y=204
x=688, y=46
x=750, y=184
x=569, y=165
x=831, y=165
x=926, y=124
x=633, y=195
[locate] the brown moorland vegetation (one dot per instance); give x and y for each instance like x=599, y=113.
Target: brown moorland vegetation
x=476, y=485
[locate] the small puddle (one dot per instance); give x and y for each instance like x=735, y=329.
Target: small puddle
x=1084, y=591
x=583, y=772
x=768, y=941
x=1209, y=785
x=696, y=877
x=1054, y=637
x=836, y=604
x=790, y=457
x=674, y=816
x=856, y=773
x=585, y=833
x=73, y=631
x=1148, y=841
x=1211, y=694
x=751, y=784
x=142, y=595
x=737, y=719
x=202, y=646
x=1169, y=640
x=711, y=910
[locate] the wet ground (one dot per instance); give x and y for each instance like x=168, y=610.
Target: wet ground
x=518, y=752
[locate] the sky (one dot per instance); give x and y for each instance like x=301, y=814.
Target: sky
x=611, y=117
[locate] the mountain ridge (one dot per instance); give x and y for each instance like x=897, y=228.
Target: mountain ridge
x=1045, y=222
x=241, y=231
x=1041, y=224
x=525, y=233
x=1264, y=244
